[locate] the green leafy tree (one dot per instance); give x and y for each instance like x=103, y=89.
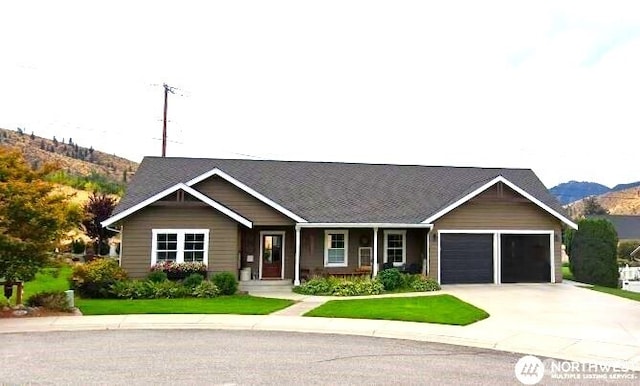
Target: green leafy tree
x=593, y=253
x=97, y=209
x=592, y=207
x=32, y=217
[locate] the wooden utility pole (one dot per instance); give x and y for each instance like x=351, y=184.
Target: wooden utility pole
x=167, y=89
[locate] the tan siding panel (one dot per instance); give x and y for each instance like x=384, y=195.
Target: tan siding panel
x=242, y=202
x=137, y=236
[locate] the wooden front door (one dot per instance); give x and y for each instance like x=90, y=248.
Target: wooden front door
x=272, y=255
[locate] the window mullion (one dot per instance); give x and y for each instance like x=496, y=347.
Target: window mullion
x=180, y=252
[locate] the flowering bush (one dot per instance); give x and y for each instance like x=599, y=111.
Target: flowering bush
x=180, y=271
x=93, y=279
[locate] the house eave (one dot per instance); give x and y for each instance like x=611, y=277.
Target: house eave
x=180, y=186
x=362, y=225
x=431, y=219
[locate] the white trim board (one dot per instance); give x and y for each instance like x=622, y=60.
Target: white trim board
x=179, y=186
x=510, y=184
x=246, y=189
x=497, y=253
x=347, y=225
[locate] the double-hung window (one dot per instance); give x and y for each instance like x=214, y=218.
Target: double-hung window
x=336, y=248
x=180, y=245
x=395, y=247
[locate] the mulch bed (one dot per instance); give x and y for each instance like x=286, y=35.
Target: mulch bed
x=34, y=312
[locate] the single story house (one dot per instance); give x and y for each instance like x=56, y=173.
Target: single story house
x=627, y=226
x=290, y=220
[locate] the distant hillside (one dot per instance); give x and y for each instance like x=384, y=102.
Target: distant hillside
x=625, y=201
x=571, y=191
x=80, y=166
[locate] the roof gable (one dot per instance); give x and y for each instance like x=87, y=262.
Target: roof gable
x=180, y=186
x=260, y=197
x=327, y=192
x=489, y=184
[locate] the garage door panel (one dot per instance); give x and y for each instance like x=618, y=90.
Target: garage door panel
x=466, y=258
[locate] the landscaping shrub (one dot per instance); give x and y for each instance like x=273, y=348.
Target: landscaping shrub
x=206, y=289
x=358, y=287
x=77, y=246
x=169, y=290
x=340, y=287
x=157, y=276
x=193, y=280
x=424, y=284
x=94, y=279
x=132, y=289
x=226, y=282
x=315, y=286
x=54, y=301
x=593, y=253
x=390, y=278
x=180, y=271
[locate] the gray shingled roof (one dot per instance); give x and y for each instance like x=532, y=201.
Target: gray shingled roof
x=627, y=226
x=337, y=192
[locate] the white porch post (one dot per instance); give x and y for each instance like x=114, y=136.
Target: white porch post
x=296, y=280
x=375, y=252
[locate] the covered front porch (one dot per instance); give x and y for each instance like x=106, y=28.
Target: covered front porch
x=296, y=253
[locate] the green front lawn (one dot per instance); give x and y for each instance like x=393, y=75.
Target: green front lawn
x=48, y=279
x=617, y=292
x=443, y=309
x=236, y=304
x=566, y=273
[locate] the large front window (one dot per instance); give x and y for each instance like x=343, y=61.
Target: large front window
x=180, y=245
x=395, y=247
x=336, y=251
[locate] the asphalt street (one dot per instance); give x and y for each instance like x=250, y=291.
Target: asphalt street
x=223, y=357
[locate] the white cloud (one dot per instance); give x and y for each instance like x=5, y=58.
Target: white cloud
x=546, y=85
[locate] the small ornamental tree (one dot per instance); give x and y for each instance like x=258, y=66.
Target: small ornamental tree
x=97, y=209
x=32, y=217
x=593, y=253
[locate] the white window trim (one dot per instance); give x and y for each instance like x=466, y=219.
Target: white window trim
x=180, y=233
x=326, y=247
x=403, y=233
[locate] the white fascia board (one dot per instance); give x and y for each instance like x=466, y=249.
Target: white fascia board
x=361, y=225
x=247, y=189
x=219, y=207
x=634, y=252
x=170, y=190
x=513, y=186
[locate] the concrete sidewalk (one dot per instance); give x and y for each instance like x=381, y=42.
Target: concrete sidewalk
x=569, y=338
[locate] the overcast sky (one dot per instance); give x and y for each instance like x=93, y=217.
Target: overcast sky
x=553, y=86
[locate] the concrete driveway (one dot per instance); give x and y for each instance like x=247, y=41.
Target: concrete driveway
x=550, y=320
x=558, y=318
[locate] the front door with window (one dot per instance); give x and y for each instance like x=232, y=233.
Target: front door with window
x=272, y=255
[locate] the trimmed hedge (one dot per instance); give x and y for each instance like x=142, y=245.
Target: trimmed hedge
x=593, y=253
x=332, y=286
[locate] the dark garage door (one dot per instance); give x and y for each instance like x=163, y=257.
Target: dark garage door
x=525, y=258
x=466, y=258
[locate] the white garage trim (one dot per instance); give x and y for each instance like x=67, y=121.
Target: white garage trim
x=497, y=253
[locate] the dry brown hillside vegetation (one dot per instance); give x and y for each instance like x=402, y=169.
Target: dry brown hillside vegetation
x=79, y=165
x=620, y=202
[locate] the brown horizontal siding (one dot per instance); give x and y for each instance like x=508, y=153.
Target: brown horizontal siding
x=241, y=202
x=137, y=236
x=486, y=213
